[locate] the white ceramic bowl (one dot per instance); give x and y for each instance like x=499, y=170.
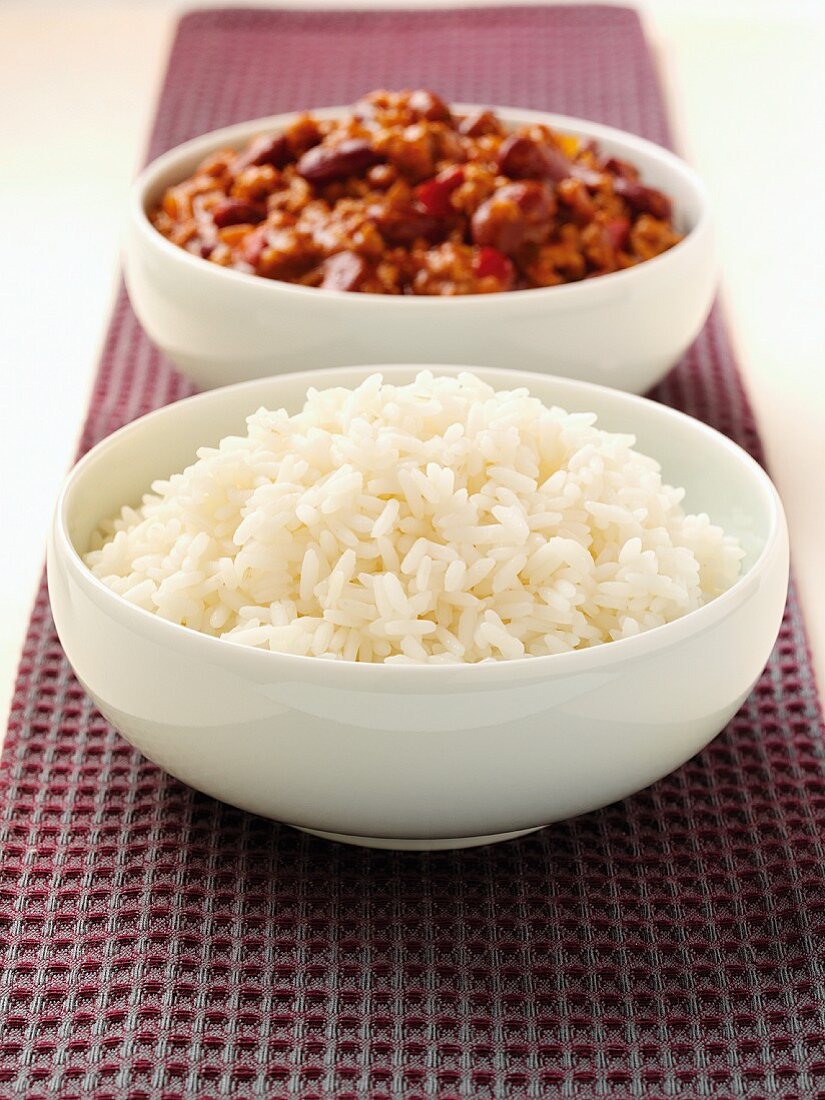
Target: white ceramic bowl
x=623, y=330
x=418, y=756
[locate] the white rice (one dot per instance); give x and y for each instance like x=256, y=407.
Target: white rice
x=439, y=522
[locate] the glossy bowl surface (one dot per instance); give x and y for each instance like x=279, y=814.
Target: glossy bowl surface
x=623, y=330
x=418, y=756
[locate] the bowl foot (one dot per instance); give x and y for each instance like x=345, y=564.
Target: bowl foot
x=418, y=844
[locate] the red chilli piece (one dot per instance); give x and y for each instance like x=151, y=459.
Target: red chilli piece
x=490, y=263
x=434, y=194
x=323, y=163
x=343, y=271
x=403, y=225
x=236, y=212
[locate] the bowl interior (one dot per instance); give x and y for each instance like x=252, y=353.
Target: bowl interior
x=719, y=477
x=659, y=168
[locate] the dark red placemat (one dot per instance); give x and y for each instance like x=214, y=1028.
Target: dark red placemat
x=157, y=944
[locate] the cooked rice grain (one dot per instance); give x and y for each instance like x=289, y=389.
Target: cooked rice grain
x=439, y=521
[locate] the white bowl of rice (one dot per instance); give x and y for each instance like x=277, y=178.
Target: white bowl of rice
x=418, y=608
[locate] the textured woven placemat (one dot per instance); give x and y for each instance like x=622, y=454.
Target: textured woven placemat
x=157, y=944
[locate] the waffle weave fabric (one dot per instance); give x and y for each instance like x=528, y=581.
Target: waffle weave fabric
x=157, y=944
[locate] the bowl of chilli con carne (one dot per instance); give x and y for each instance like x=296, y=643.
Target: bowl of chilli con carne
x=403, y=228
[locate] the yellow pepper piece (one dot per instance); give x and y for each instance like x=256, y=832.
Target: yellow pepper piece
x=568, y=144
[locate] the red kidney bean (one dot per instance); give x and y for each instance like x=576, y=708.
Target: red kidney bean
x=428, y=105
x=236, y=212
x=515, y=215
x=324, y=163
x=620, y=168
x=343, y=271
x=401, y=225
x=267, y=149
x=491, y=262
x=523, y=158
x=643, y=200
x=482, y=122
x=434, y=194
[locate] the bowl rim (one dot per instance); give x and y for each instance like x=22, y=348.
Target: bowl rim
x=213, y=139
x=596, y=658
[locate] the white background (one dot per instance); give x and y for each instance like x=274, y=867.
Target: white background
x=78, y=84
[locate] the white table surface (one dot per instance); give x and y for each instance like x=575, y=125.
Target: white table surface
x=79, y=80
